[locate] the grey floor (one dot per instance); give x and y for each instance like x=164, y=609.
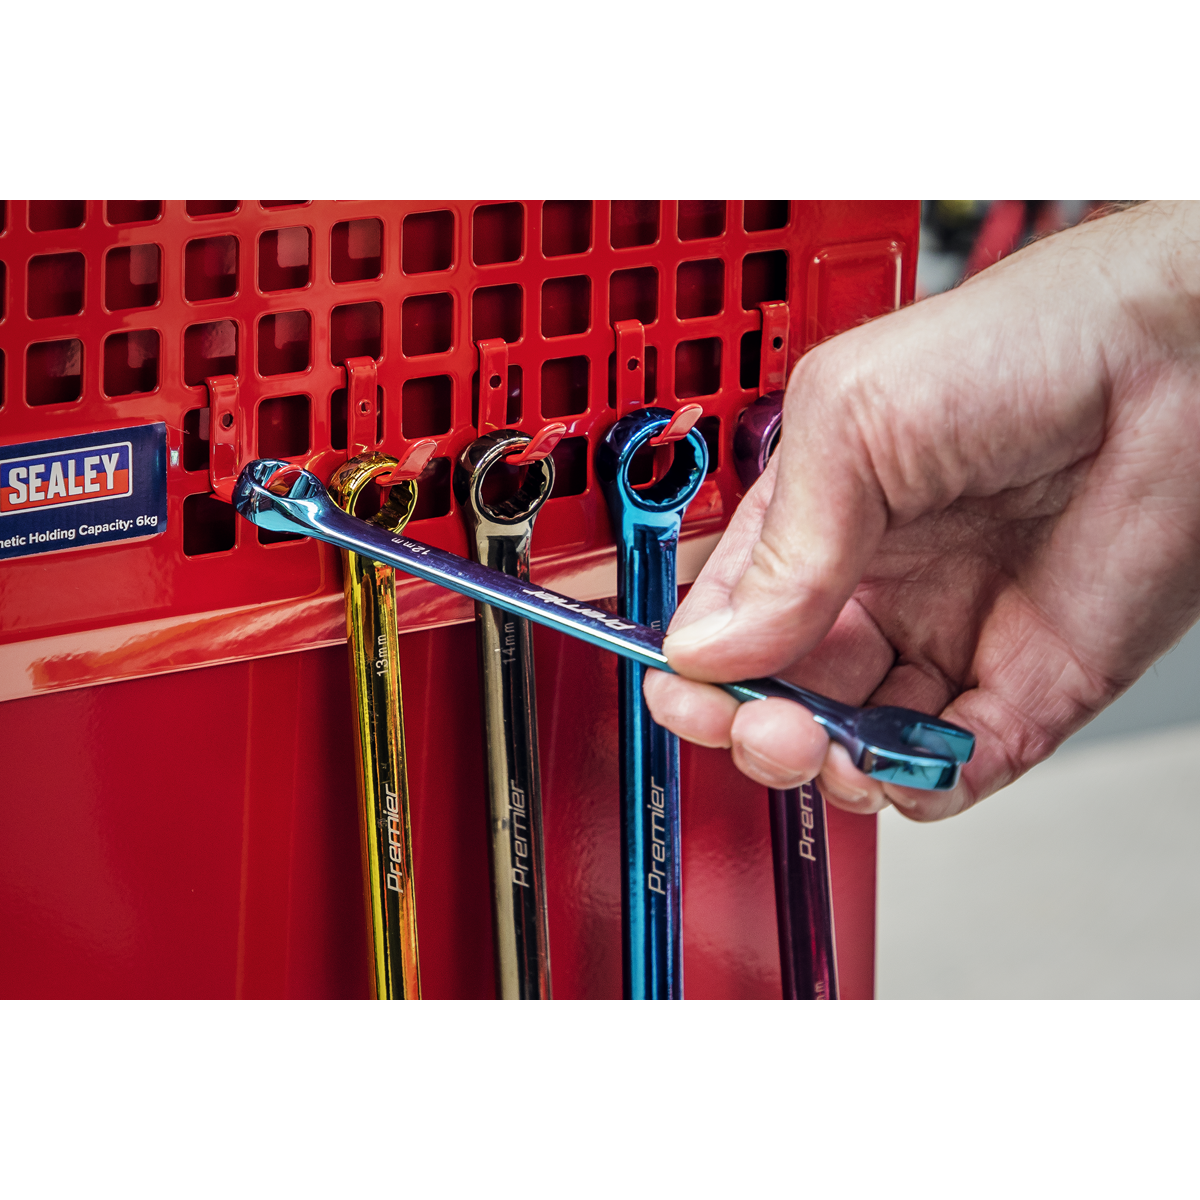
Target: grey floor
x=1078, y=881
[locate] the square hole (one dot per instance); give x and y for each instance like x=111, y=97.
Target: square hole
x=209, y=525
x=337, y=418
x=56, y=214
x=514, y=397
x=132, y=212
x=209, y=349
x=356, y=250
x=271, y=537
x=566, y=227
x=195, y=439
x=131, y=277
x=564, y=386
x=282, y=203
x=650, y=370
x=425, y=406
x=283, y=343
x=570, y=467
x=700, y=288
x=497, y=233
x=764, y=277
x=356, y=331
x=55, y=285
x=697, y=368
x=433, y=491
x=427, y=242
x=283, y=427
x=210, y=208
x=750, y=358
x=566, y=306
x=54, y=372
x=284, y=258
x=427, y=324
x=634, y=223
x=701, y=219
x=633, y=295
x=710, y=430
x=131, y=362
x=496, y=313
x=765, y=214
x=210, y=268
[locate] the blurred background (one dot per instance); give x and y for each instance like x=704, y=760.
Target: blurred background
x=1077, y=881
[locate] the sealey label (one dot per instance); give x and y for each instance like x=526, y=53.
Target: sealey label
x=82, y=491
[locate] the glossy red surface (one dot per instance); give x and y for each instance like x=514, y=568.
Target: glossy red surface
x=177, y=812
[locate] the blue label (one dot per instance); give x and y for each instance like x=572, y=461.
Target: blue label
x=82, y=491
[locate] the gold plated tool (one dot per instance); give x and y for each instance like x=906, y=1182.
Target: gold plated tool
x=378, y=718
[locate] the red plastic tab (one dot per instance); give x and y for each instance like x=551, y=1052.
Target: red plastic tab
x=631, y=365
x=679, y=426
x=541, y=444
x=413, y=459
x=493, y=385
x=772, y=370
x=362, y=413
x=226, y=454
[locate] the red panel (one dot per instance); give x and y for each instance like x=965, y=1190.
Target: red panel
x=179, y=817
x=195, y=835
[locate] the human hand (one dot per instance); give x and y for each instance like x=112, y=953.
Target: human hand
x=985, y=505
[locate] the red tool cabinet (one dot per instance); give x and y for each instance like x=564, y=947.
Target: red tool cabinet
x=177, y=794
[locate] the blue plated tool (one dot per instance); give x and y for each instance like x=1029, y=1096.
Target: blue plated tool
x=647, y=521
x=898, y=745
x=799, y=845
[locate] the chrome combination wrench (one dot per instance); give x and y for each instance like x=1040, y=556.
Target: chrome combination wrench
x=501, y=533
x=646, y=521
x=799, y=845
x=895, y=745
x=379, y=724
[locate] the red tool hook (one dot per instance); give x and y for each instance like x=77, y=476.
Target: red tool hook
x=493, y=405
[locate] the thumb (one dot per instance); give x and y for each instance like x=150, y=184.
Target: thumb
x=823, y=523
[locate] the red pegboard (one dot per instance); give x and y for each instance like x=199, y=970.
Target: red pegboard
x=202, y=838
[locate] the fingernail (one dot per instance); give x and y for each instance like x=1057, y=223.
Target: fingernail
x=699, y=632
x=773, y=774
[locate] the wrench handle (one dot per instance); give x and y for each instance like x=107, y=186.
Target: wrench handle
x=803, y=894
x=650, y=831
x=383, y=780
x=519, y=917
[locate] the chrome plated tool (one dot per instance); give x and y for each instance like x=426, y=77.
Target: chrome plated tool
x=647, y=522
x=501, y=532
x=378, y=722
x=898, y=745
x=799, y=846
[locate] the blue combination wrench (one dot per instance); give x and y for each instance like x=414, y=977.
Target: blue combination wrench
x=896, y=745
x=647, y=521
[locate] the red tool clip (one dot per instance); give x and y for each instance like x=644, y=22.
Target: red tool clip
x=362, y=423
x=493, y=404
x=227, y=453
x=679, y=426
x=772, y=363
